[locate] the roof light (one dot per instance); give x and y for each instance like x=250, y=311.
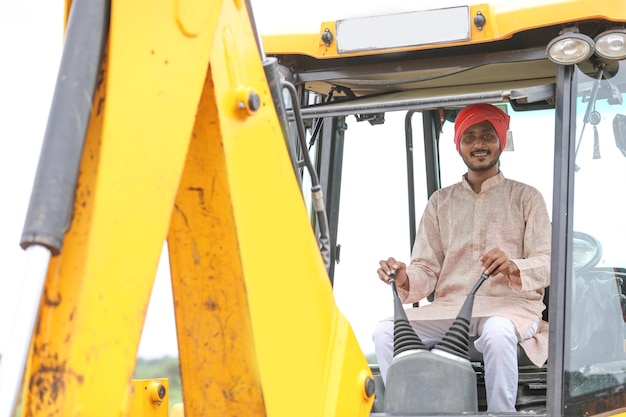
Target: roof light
x=570, y=48
x=611, y=44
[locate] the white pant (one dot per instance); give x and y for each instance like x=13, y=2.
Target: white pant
x=497, y=342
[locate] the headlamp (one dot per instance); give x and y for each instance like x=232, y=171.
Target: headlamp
x=611, y=44
x=570, y=48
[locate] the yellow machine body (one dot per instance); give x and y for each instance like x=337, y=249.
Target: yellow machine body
x=503, y=19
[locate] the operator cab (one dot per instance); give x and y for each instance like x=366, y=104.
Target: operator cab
x=380, y=122
x=390, y=169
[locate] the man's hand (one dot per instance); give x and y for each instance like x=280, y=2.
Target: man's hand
x=391, y=266
x=497, y=262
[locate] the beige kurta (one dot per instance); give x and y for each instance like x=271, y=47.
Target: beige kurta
x=457, y=227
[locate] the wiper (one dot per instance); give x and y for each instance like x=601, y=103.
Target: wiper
x=591, y=115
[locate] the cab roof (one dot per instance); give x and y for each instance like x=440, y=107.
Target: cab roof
x=496, y=48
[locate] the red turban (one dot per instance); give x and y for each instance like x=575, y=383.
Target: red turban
x=477, y=113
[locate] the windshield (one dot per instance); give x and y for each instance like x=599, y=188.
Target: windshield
x=595, y=363
x=379, y=196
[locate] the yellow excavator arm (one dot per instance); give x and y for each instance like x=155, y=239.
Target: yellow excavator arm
x=184, y=143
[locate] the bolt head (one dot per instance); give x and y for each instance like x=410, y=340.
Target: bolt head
x=479, y=21
x=254, y=101
x=248, y=101
x=370, y=387
x=156, y=392
x=327, y=37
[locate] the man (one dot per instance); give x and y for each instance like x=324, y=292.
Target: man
x=485, y=223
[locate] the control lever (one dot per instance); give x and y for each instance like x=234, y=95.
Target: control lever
x=438, y=381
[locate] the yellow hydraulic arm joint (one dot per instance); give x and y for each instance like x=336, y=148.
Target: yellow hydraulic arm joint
x=151, y=398
x=184, y=144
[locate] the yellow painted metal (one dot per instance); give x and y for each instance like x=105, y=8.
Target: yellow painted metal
x=240, y=228
x=150, y=399
x=503, y=20
x=97, y=291
x=176, y=134
x=216, y=347
x=592, y=409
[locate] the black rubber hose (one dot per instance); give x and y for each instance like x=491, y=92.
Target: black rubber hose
x=316, y=188
x=52, y=199
x=270, y=65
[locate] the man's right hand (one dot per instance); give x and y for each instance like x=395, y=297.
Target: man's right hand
x=391, y=266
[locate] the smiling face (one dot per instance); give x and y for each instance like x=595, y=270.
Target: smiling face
x=480, y=147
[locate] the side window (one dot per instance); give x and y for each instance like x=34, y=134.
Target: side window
x=595, y=354
x=373, y=216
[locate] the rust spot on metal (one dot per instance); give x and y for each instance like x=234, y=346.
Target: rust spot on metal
x=196, y=254
x=210, y=304
x=100, y=106
x=50, y=302
x=182, y=213
x=101, y=77
x=200, y=192
x=48, y=383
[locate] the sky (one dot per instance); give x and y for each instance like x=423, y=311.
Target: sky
x=31, y=35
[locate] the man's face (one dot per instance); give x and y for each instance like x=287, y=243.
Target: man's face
x=480, y=147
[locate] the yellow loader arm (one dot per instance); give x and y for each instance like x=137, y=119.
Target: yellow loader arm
x=184, y=144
